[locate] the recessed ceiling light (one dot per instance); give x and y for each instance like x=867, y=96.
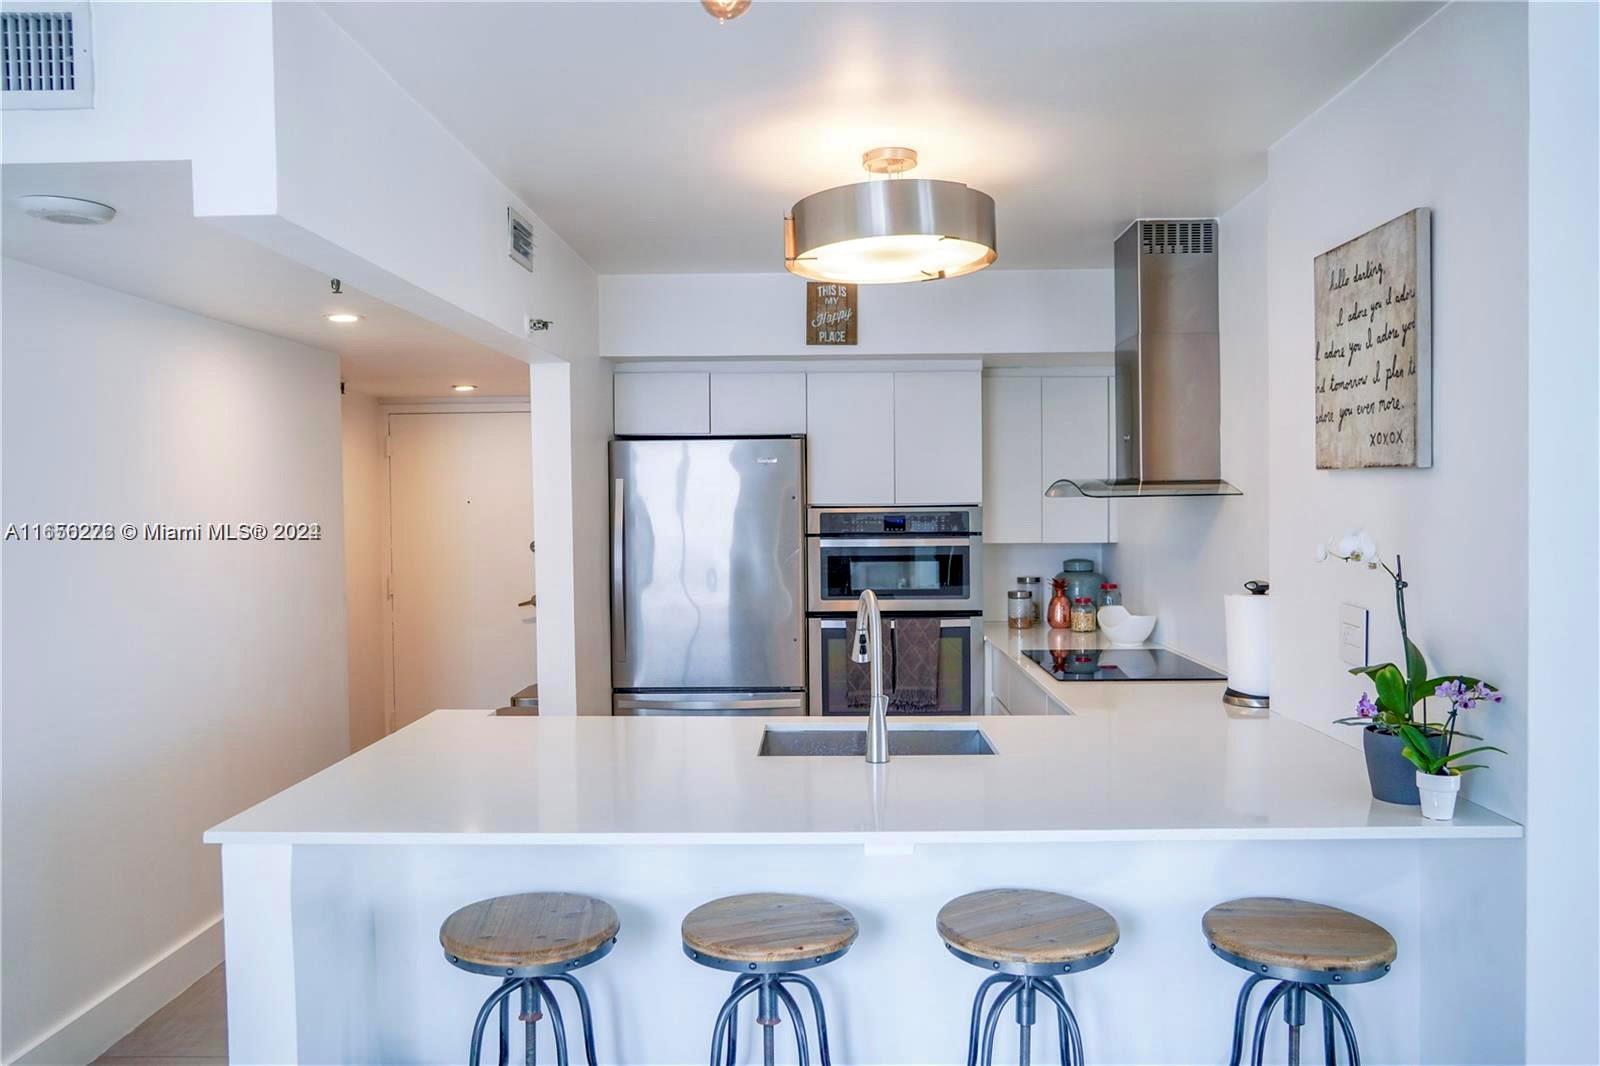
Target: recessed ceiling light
x=464, y=388
x=342, y=318
x=67, y=210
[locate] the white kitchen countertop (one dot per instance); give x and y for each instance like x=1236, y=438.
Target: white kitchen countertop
x=1134, y=762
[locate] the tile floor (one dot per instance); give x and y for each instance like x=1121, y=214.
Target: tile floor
x=192, y=1030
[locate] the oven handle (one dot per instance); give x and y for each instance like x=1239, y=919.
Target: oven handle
x=944, y=623
x=890, y=542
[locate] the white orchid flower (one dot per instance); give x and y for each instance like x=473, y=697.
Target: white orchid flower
x=1366, y=547
x=1347, y=545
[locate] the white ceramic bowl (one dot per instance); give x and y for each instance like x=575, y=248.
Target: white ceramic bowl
x=1126, y=630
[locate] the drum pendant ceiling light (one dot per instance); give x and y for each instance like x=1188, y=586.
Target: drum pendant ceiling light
x=890, y=230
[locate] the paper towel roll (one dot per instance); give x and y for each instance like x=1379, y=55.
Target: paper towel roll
x=1248, y=619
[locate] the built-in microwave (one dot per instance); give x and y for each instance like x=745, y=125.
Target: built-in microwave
x=922, y=559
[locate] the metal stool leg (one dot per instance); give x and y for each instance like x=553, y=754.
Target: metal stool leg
x=505, y=1031
x=1071, y=1035
x=729, y=1011
x=584, y=1016
x=733, y=1025
x=977, y=1015
x=1258, y=1046
x=802, y=1051
x=817, y=1012
x=1239, y=1012
x=991, y=1023
x=557, y=1024
x=1329, y=1057
x=1027, y=1013
x=497, y=997
x=1330, y=1004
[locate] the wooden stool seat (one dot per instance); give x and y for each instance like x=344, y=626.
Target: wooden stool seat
x=1023, y=926
x=1293, y=935
x=768, y=928
x=528, y=930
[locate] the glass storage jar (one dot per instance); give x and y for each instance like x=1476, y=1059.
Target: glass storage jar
x=1083, y=620
x=1110, y=595
x=1020, y=609
x=1035, y=586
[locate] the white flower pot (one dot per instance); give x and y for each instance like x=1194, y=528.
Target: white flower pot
x=1438, y=795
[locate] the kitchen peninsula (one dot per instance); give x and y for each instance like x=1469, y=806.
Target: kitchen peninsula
x=1146, y=799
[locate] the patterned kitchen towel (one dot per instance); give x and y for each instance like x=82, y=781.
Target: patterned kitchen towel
x=916, y=664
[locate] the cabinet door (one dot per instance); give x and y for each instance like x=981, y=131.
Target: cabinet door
x=1077, y=443
x=757, y=404
x=938, y=437
x=661, y=405
x=1013, y=446
x=850, y=439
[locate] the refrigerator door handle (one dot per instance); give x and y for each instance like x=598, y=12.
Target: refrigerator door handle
x=619, y=598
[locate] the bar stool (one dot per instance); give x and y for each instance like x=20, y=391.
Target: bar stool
x=1306, y=947
x=767, y=938
x=1027, y=938
x=528, y=941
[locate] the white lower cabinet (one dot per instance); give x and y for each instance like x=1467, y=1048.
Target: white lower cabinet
x=1012, y=689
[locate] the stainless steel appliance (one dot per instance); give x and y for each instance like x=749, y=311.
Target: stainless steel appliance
x=1168, y=365
x=915, y=559
x=707, y=596
x=920, y=562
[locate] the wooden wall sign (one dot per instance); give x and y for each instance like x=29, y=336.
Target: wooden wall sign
x=830, y=313
x=1374, y=353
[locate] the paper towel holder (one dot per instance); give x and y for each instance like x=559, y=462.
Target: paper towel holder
x=1244, y=699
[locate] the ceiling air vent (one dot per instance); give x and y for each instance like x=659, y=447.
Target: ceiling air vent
x=1198, y=237
x=44, y=56
x=521, y=232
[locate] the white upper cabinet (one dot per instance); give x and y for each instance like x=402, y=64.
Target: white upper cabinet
x=938, y=437
x=1013, y=453
x=757, y=404
x=668, y=404
x=850, y=438
x=1076, y=444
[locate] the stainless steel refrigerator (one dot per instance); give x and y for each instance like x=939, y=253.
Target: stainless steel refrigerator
x=707, y=589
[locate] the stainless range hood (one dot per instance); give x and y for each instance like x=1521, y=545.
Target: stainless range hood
x=1168, y=372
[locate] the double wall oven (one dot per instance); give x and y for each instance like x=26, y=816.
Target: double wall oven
x=926, y=566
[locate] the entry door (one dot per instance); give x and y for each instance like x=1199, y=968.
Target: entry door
x=461, y=522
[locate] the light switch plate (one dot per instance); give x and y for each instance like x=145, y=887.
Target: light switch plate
x=1353, y=634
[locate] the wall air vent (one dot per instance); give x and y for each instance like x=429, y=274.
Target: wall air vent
x=44, y=56
x=520, y=231
x=1179, y=238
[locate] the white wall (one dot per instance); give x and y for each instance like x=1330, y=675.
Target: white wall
x=1441, y=122
x=172, y=81
x=1564, y=528
x=1177, y=558
x=366, y=528
x=694, y=316
x=151, y=689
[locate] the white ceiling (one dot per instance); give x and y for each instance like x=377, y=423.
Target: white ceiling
x=656, y=141
x=157, y=249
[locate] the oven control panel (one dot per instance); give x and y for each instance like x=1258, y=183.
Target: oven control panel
x=893, y=523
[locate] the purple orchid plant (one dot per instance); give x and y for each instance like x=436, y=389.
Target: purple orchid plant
x=1400, y=692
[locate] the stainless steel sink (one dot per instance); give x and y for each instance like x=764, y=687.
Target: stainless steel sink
x=854, y=742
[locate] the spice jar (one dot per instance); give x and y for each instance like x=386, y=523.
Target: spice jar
x=1110, y=595
x=1083, y=620
x=1035, y=587
x=1020, y=609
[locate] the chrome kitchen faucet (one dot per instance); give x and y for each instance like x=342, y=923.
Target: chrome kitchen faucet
x=868, y=648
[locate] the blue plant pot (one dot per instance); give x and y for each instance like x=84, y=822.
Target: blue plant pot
x=1393, y=778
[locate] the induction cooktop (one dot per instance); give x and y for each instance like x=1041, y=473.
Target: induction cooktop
x=1122, y=664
